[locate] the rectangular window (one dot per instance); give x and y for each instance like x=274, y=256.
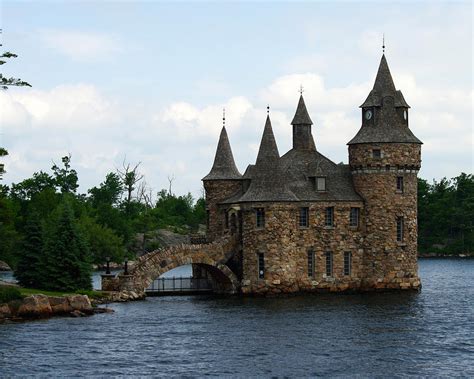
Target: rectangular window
x=311, y=263
x=208, y=214
x=321, y=184
x=354, y=217
x=260, y=217
x=376, y=153
x=329, y=219
x=400, y=226
x=400, y=183
x=328, y=263
x=347, y=263
x=261, y=266
x=304, y=217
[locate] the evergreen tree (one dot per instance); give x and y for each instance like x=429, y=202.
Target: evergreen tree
x=28, y=269
x=66, y=262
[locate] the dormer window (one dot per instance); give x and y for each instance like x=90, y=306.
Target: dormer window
x=320, y=184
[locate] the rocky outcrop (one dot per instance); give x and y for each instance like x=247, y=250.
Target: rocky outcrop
x=42, y=306
x=4, y=266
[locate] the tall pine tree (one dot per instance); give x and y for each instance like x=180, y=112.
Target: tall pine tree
x=28, y=270
x=66, y=260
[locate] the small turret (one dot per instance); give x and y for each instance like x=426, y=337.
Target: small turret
x=302, y=135
x=223, y=181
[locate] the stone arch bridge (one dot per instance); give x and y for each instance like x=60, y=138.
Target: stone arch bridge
x=210, y=256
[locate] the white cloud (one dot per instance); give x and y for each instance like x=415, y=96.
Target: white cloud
x=80, y=45
x=181, y=138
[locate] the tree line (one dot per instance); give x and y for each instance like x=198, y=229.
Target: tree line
x=446, y=215
x=51, y=234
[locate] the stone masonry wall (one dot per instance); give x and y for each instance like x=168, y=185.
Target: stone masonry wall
x=217, y=191
x=285, y=246
x=388, y=263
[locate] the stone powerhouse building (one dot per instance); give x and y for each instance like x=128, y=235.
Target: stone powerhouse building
x=304, y=223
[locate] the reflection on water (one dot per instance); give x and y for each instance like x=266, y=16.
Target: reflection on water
x=428, y=334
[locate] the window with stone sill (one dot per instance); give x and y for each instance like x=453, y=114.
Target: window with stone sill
x=329, y=217
x=303, y=219
x=329, y=264
x=400, y=227
x=260, y=217
x=400, y=184
x=347, y=263
x=311, y=263
x=354, y=217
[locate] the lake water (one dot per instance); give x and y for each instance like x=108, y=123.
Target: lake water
x=428, y=334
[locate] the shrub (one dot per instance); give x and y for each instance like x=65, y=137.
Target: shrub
x=8, y=293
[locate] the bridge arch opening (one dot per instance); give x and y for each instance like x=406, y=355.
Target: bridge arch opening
x=192, y=278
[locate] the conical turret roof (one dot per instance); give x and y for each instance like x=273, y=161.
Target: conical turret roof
x=268, y=180
x=301, y=115
x=388, y=126
x=268, y=151
x=384, y=86
x=224, y=165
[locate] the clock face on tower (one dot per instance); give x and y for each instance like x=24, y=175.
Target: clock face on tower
x=368, y=114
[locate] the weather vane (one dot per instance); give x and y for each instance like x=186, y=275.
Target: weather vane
x=383, y=43
x=301, y=89
x=223, y=116
x=268, y=109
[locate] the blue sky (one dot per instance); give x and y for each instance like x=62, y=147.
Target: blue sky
x=148, y=80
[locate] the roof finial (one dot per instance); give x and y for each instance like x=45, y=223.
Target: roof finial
x=383, y=43
x=301, y=89
x=223, y=117
x=268, y=109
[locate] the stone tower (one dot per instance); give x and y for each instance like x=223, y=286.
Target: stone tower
x=223, y=181
x=384, y=159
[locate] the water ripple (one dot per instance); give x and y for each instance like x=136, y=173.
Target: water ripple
x=427, y=334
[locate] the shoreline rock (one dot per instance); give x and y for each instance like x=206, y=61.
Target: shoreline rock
x=4, y=266
x=41, y=306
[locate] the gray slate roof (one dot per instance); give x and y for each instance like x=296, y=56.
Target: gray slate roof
x=224, y=165
x=388, y=127
x=288, y=179
x=301, y=115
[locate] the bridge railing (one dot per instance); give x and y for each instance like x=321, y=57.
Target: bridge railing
x=180, y=284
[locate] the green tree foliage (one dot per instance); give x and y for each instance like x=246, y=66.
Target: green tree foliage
x=102, y=241
x=9, y=235
x=28, y=268
x=446, y=215
x=65, y=178
x=6, y=82
x=66, y=261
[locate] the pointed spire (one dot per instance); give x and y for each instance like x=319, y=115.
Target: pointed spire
x=383, y=81
x=301, y=115
x=383, y=86
x=224, y=165
x=268, y=148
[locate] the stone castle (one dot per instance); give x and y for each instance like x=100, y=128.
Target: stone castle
x=304, y=223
